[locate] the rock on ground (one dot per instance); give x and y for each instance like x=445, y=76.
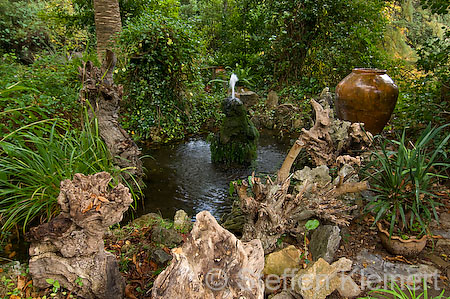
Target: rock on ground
x=286, y=259
x=321, y=279
x=325, y=242
x=182, y=221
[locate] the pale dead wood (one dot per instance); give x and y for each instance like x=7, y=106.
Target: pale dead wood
x=272, y=210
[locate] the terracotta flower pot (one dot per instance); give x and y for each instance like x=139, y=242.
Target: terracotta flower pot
x=368, y=96
x=398, y=246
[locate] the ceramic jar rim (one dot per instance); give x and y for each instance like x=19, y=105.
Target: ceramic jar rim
x=368, y=71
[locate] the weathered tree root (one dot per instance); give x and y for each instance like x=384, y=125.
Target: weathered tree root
x=271, y=210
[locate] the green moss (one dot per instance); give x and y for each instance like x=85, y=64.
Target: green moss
x=236, y=143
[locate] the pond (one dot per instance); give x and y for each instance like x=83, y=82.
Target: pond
x=181, y=176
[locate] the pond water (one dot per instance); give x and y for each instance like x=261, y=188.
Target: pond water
x=181, y=176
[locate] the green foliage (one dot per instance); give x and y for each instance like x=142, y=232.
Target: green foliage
x=47, y=88
x=79, y=281
x=436, y=6
x=285, y=43
x=54, y=283
x=312, y=224
x=402, y=179
x=233, y=153
x=325, y=39
x=418, y=104
x=236, y=143
x=162, y=100
x=396, y=291
x=22, y=32
x=434, y=57
x=81, y=14
x=34, y=160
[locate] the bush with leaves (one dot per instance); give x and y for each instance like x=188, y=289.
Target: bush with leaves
x=22, y=32
x=47, y=88
x=163, y=99
x=434, y=58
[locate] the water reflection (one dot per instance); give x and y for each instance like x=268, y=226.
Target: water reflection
x=182, y=176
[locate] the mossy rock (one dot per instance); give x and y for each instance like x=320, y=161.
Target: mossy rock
x=236, y=143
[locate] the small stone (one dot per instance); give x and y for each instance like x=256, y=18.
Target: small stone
x=168, y=237
x=342, y=265
x=438, y=261
x=325, y=242
x=181, y=221
x=161, y=257
x=248, y=98
x=321, y=279
x=279, y=262
x=317, y=281
x=272, y=100
x=347, y=287
x=443, y=243
x=283, y=295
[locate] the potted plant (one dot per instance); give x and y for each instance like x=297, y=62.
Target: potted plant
x=402, y=176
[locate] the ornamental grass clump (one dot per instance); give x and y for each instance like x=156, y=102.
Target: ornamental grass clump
x=404, y=176
x=35, y=158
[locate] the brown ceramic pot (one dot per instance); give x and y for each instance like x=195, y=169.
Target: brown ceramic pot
x=368, y=96
x=398, y=246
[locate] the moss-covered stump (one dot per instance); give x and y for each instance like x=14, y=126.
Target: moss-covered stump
x=236, y=143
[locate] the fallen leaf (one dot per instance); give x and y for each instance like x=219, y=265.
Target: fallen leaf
x=21, y=282
x=129, y=293
x=153, y=265
x=102, y=199
x=7, y=248
x=398, y=258
x=91, y=204
x=12, y=254
x=98, y=207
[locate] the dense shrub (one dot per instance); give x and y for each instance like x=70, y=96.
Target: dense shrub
x=48, y=88
x=163, y=97
x=22, y=32
x=324, y=39
x=286, y=41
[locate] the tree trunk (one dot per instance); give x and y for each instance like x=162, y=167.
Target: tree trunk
x=107, y=23
x=104, y=98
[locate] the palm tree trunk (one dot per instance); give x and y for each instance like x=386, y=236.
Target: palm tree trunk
x=107, y=23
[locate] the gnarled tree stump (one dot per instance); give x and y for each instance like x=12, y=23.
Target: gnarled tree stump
x=70, y=248
x=212, y=263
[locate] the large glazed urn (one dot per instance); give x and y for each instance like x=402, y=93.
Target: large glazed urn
x=368, y=96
